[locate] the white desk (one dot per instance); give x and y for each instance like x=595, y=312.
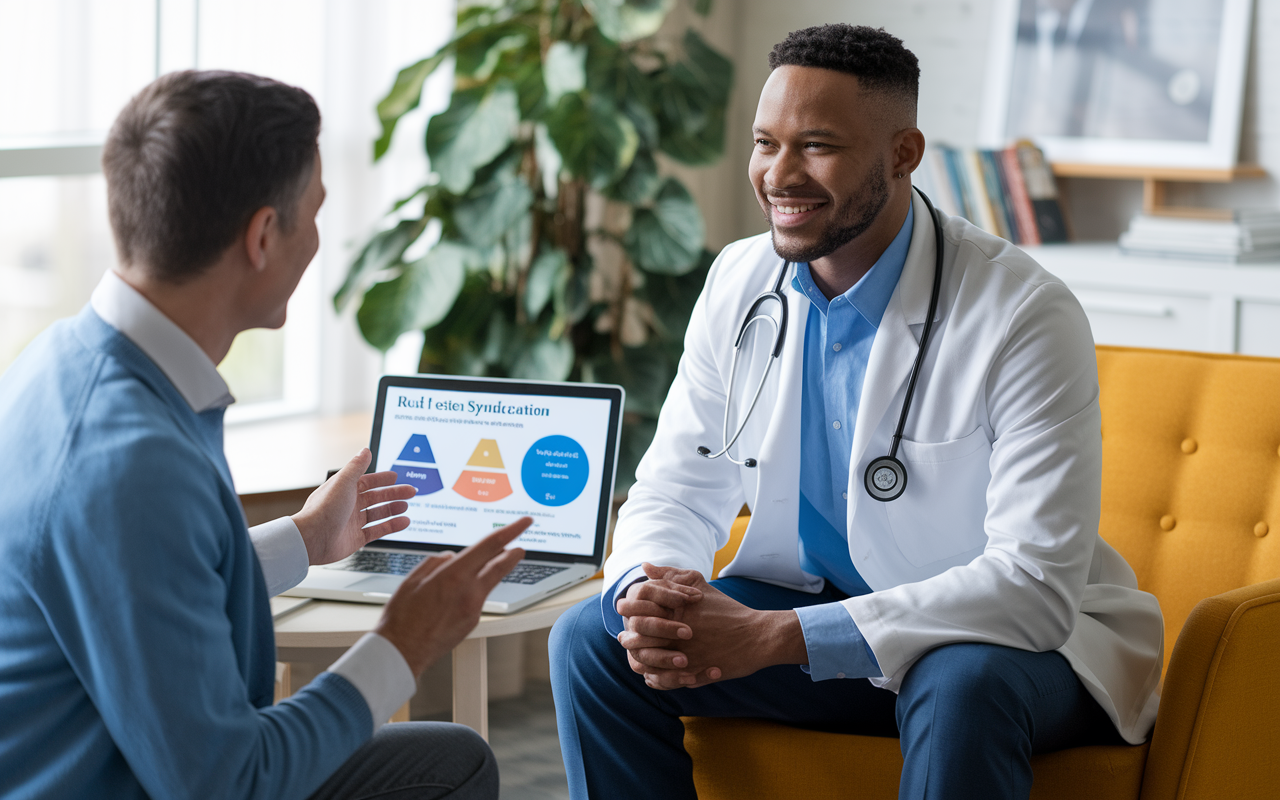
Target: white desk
x=320, y=630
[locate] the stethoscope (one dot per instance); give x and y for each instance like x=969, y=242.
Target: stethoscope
x=886, y=477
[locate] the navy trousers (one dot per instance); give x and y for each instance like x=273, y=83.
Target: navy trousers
x=969, y=715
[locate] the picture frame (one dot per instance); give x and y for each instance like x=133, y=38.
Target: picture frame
x=1155, y=83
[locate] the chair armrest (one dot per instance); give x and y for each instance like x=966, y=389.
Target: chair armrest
x=1217, y=734
x=725, y=554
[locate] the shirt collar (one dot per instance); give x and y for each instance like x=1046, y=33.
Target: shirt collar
x=870, y=295
x=177, y=355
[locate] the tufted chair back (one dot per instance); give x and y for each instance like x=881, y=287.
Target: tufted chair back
x=1190, y=472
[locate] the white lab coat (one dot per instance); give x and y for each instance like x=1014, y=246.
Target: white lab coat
x=996, y=536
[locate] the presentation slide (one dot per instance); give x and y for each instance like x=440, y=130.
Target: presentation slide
x=480, y=460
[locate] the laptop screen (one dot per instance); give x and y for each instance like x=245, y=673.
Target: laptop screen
x=483, y=453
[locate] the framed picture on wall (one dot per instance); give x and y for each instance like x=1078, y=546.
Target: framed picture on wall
x=1133, y=82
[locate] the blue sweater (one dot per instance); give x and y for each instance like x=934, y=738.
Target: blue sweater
x=136, y=649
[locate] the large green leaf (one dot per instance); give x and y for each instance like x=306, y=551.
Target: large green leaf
x=477, y=126
x=667, y=238
x=704, y=67
x=612, y=74
x=406, y=93
x=418, y=298
x=489, y=210
x=628, y=20
x=548, y=270
x=691, y=103
x=595, y=141
x=382, y=251
x=640, y=181
x=544, y=360
x=404, y=96
x=455, y=344
x=565, y=70
x=673, y=297
x=646, y=123
x=502, y=47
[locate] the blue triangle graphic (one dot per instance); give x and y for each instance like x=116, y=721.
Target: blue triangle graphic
x=417, y=450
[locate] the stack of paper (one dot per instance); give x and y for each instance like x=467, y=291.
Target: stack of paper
x=1251, y=235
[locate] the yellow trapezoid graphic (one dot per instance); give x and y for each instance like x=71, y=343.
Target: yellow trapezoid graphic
x=486, y=455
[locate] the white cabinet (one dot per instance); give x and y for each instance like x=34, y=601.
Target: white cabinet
x=1146, y=319
x=1259, y=328
x=1168, y=303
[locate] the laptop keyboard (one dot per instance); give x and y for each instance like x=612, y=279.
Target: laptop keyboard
x=403, y=564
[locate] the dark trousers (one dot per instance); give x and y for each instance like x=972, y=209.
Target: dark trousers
x=969, y=715
x=416, y=761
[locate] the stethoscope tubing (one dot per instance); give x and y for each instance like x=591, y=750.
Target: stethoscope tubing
x=890, y=462
x=928, y=326
x=780, y=335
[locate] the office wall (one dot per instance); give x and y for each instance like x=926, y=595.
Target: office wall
x=951, y=37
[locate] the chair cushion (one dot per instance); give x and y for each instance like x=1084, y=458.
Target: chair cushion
x=744, y=758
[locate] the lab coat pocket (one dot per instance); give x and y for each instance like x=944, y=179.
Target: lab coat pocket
x=942, y=513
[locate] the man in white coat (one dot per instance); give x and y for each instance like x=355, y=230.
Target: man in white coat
x=979, y=615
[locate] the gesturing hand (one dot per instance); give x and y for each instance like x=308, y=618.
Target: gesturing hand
x=333, y=520
x=439, y=602
x=683, y=632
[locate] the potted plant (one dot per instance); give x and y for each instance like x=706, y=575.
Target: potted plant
x=563, y=252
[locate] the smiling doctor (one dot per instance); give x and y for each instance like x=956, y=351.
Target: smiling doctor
x=956, y=592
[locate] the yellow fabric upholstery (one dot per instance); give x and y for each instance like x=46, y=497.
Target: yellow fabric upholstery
x=1191, y=498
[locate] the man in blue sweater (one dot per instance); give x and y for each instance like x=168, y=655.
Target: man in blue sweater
x=137, y=656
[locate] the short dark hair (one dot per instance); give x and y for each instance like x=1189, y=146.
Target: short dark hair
x=878, y=59
x=194, y=155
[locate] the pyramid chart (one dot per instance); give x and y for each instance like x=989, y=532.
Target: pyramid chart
x=483, y=485
x=412, y=466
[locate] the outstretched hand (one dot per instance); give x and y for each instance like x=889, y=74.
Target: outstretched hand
x=683, y=632
x=333, y=521
x=440, y=601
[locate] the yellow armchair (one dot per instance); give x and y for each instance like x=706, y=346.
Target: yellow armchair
x=1190, y=496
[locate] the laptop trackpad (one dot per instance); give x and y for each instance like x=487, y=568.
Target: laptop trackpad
x=379, y=583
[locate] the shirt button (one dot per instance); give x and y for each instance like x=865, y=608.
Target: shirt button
x=836, y=424
x=839, y=674
x=836, y=347
x=845, y=495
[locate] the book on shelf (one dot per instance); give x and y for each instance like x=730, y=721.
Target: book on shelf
x=1009, y=193
x=1251, y=235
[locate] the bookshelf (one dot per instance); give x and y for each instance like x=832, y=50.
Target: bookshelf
x=1155, y=181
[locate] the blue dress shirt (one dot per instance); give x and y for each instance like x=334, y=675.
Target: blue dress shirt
x=837, y=344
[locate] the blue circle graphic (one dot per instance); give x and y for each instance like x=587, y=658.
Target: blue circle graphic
x=554, y=471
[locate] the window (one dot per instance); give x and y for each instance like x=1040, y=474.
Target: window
x=79, y=61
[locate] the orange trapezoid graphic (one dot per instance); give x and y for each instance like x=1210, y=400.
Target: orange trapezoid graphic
x=483, y=487
x=480, y=485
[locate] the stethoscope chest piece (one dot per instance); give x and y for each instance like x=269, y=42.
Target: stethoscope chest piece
x=885, y=479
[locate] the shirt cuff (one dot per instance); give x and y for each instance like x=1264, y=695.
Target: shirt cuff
x=612, y=619
x=282, y=554
x=379, y=672
x=836, y=647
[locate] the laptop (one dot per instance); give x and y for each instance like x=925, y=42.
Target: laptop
x=483, y=452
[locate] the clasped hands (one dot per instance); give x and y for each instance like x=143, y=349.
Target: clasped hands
x=682, y=632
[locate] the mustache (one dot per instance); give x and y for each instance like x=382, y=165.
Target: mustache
x=783, y=194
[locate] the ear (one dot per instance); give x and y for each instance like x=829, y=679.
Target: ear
x=260, y=235
x=908, y=150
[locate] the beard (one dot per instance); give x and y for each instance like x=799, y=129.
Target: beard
x=852, y=218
